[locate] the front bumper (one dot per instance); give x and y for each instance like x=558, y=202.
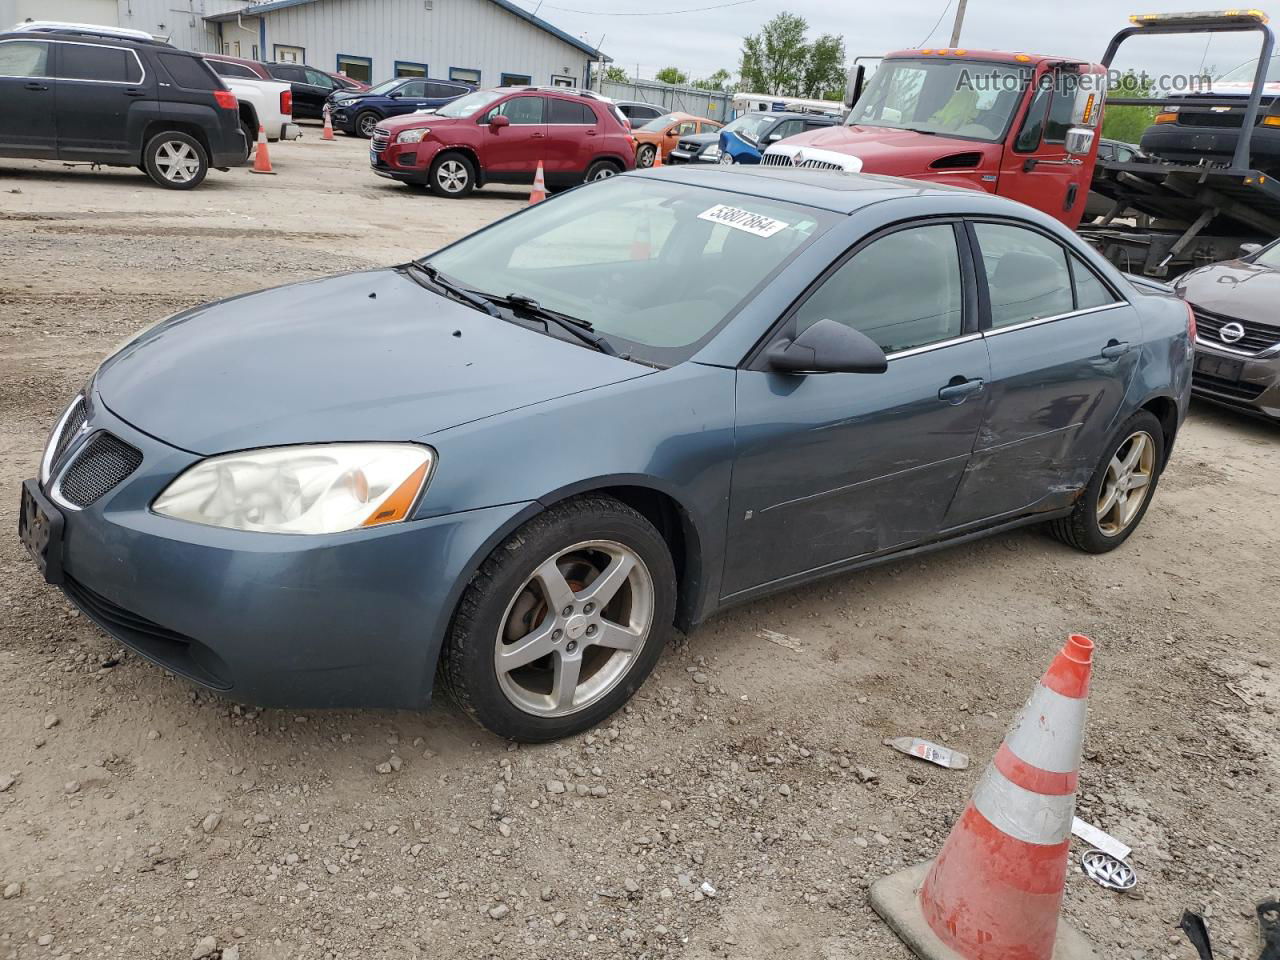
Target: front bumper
x=407, y=162
x=1191, y=144
x=347, y=620
x=1249, y=383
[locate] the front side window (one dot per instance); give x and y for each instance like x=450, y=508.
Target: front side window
x=686, y=128
x=414, y=88
x=749, y=125
x=1061, y=106
x=519, y=110
x=24, y=58
x=1026, y=272
x=903, y=290
x=78, y=61
x=656, y=266
x=318, y=79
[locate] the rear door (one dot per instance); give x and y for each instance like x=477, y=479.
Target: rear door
x=572, y=134
x=1064, y=349
x=97, y=87
x=27, y=116
x=514, y=150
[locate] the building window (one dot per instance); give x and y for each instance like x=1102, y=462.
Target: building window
x=357, y=68
x=465, y=75
x=516, y=80
x=559, y=80
x=407, y=68
x=288, y=54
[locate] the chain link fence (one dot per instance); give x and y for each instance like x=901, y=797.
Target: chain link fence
x=700, y=103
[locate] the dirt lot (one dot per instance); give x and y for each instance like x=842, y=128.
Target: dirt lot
x=144, y=816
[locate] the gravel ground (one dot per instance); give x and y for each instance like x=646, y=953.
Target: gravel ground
x=742, y=804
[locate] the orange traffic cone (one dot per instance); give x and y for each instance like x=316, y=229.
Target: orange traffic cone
x=995, y=890
x=539, y=191
x=261, y=157
x=641, y=242
x=327, y=133
x=657, y=156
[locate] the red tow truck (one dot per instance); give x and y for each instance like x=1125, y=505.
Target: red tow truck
x=1025, y=126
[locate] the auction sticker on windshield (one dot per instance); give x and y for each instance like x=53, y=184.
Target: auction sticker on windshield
x=745, y=220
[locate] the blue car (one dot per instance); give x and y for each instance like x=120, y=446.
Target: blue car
x=744, y=139
x=357, y=113
x=519, y=463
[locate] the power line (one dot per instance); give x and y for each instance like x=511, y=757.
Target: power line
x=935, y=25
x=648, y=13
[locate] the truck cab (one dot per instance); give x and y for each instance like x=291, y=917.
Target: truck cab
x=1019, y=125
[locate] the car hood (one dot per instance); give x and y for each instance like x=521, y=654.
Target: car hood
x=1235, y=288
x=886, y=150
x=360, y=356
x=410, y=121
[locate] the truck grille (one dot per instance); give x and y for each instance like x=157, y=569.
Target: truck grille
x=1257, y=338
x=381, y=140
x=98, y=469
x=782, y=160
x=1224, y=121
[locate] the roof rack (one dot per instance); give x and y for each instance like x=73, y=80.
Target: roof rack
x=84, y=30
x=548, y=88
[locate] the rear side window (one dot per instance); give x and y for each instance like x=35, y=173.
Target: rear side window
x=80, y=61
x=224, y=69
x=566, y=111
x=1090, y=291
x=24, y=58
x=189, y=72
x=442, y=91
x=1027, y=274
x=291, y=74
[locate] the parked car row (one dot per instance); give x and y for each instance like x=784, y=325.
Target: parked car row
x=311, y=86
x=358, y=112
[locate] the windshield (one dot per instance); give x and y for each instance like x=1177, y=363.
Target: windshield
x=655, y=266
x=386, y=85
x=658, y=124
x=465, y=106
x=749, y=125
x=1270, y=257
x=949, y=97
x=1247, y=71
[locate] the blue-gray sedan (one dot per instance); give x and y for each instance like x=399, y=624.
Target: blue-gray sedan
x=520, y=461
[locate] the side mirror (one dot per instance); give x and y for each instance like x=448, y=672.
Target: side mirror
x=395, y=94
x=498, y=121
x=827, y=347
x=774, y=137
x=1079, y=141
x=1249, y=249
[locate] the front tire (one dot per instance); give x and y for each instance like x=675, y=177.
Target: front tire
x=726, y=160
x=452, y=175
x=563, y=622
x=645, y=155
x=175, y=160
x=1120, y=491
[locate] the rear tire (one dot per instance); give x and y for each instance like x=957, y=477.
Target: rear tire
x=601, y=170
x=453, y=175
x=1105, y=515
x=175, y=160
x=250, y=138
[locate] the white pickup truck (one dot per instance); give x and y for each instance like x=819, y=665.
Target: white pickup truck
x=266, y=102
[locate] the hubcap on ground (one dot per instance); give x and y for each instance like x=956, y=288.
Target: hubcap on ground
x=452, y=176
x=176, y=161
x=1127, y=483
x=573, y=629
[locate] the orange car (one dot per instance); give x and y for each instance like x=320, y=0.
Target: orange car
x=665, y=132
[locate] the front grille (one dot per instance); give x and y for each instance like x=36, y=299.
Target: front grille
x=1256, y=339
x=74, y=423
x=775, y=160
x=782, y=160
x=1236, y=389
x=381, y=139
x=1225, y=121
x=97, y=469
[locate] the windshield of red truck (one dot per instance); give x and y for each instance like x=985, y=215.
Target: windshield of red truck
x=957, y=98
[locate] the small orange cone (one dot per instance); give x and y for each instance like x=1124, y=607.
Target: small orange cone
x=539, y=191
x=657, y=155
x=261, y=156
x=995, y=890
x=327, y=134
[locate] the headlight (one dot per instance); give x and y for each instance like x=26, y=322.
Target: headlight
x=325, y=488
x=711, y=152
x=412, y=136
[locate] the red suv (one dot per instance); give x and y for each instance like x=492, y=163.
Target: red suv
x=499, y=136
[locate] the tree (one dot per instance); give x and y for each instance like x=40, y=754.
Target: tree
x=1127, y=123
x=672, y=75
x=614, y=74
x=780, y=61
x=718, y=81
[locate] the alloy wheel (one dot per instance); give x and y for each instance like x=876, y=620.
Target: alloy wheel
x=368, y=124
x=177, y=161
x=1127, y=483
x=645, y=158
x=574, y=628
x=452, y=176
x=604, y=173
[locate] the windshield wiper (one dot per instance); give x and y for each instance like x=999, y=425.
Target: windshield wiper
x=455, y=289
x=579, y=328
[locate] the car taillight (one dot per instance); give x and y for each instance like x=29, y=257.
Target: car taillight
x=286, y=102
x=1191, y=323
x=226, y=99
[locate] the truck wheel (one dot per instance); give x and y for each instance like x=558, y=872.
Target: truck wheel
x=563, y=622
x=452, y=175
x=175, y=160
x=366, y=123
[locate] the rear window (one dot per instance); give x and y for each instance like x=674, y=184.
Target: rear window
x=82, y=61
x=191, y=73
x=224, y=69
x=566, y=111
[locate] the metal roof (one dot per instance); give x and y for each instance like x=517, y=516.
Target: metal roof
x=270, y=6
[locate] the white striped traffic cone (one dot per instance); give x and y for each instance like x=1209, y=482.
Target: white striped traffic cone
x=539, y=191
x=995, y=890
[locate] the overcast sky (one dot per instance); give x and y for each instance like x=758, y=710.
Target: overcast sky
x=701, y=42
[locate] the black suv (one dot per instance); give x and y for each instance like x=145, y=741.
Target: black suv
x=311, y=87
x=115, y=97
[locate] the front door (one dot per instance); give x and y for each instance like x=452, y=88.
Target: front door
x=26, y=91
x=1036, y=168
x=96, y=88
x=515, y=149
x=406, y=98
x=833, y=467
x=1064, y=349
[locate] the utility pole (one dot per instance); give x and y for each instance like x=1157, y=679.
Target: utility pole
x=955, y=29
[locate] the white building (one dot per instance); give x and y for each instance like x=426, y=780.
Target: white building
x=486, y=42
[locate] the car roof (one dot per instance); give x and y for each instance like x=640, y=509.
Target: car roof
x=830, y=190
x=118, y=36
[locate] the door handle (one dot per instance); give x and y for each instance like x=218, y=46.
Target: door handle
x=34, y=86
x=135, y=92
x=959, y=390
x=1114, y=350
x=538, y=136
x=591, y=133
